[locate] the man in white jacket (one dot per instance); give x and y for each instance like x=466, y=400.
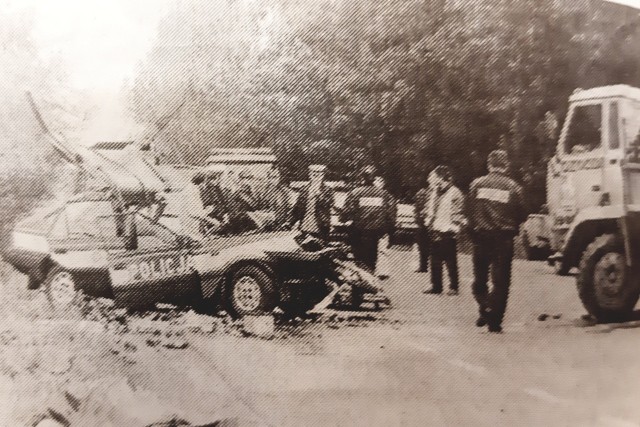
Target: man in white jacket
x=444, y=219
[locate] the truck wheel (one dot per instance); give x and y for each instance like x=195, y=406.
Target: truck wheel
x=62, y=293
x=559, y=268
x=606, y=287
x=251, y=292
x=526, y=246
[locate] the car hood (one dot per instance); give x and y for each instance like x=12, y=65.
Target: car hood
x=257, y=243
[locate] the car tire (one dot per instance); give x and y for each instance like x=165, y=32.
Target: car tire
x=63, y=295
x=250, y=292
x=607, y=288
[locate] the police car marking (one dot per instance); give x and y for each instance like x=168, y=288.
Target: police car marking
x=370, y=201
x=158, y=268
x=493, y=194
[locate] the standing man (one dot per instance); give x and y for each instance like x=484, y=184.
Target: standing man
x=372, y=212
x=383, y=265
x=244, y=200
x=276, y=198
x=215, y=200
x=312, y=209
x=496, y=209
x=423, y=241
x=446, y=219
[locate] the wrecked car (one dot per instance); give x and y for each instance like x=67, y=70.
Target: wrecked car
x=91, y=246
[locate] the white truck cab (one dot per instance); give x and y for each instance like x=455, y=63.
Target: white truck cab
x=593, y=197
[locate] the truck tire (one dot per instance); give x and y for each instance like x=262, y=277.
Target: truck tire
x=63, y=295
x=608, y=290
x=560, y=268
x=250, y=292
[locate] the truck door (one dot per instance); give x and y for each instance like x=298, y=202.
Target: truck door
x=630, y=224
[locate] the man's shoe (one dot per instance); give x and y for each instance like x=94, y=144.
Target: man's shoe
x=420, y=270
x=432, y=292
x=496, y=329
x=453, y=292
x=482, y=321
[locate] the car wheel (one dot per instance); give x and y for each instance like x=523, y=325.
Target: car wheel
x=62, y=292
x=251, y=292
x=607, y=288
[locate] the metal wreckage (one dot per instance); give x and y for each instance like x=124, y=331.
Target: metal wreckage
x=134, y=237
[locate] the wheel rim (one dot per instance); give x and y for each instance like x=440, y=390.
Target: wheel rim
x=247, y=294
x=62, y=289
x=609, y=279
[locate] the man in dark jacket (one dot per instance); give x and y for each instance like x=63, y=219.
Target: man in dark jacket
x=215, y=200
x=243, y=200
x=372, y=212
x=276, y=198
x=495, y=210
x=312, y=210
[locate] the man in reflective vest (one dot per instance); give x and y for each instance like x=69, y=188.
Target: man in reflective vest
x=372, y=213
x=495, y=210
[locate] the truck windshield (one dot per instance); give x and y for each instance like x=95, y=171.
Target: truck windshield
x=584, y=134
x=632, y=124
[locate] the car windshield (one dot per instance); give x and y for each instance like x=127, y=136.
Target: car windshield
x=146, y=227
x=98, y=219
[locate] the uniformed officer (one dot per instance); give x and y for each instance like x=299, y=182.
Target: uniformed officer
x=312, y=209
x=495, y=210
x=276, y=198
x=372, y=212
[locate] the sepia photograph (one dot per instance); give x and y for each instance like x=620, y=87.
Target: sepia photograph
x=264, y=213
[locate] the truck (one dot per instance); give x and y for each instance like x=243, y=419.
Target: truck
x=593, y=198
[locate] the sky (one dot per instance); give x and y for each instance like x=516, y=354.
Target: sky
x=632, y=3
x=101, y=41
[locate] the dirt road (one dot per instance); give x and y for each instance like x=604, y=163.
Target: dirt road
x=422, y=362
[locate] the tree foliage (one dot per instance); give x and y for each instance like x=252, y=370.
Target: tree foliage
x=403, y=84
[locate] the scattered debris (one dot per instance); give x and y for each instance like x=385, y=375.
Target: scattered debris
x=199, y=322
x=543, y=317
x=557, y=316
x=175, y=343
x=259, y=326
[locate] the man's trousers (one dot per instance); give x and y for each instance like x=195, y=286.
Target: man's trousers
x=492, y=251
x=444, y=251
x=423, y=240
x=364, y=244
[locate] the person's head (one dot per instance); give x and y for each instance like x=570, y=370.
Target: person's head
x=378, y=182
x=273, y=177
x=316, y=174
x=442, y=176
x=367, y=175
x=498, y=161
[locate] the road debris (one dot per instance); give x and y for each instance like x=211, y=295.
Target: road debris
x=259, y=326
